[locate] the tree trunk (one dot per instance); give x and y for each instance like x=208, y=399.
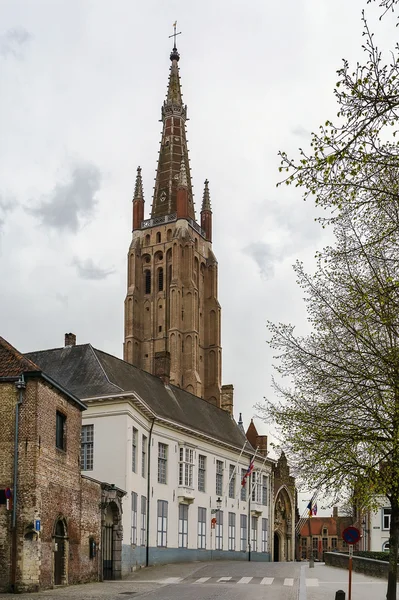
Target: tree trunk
x=393, y=548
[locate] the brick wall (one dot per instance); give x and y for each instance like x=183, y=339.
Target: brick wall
x=50, y=487
x=8, y=399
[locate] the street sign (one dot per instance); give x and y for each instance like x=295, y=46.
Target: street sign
x=37, y=525
x=351, y=535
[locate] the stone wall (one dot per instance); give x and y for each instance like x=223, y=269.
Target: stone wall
x=368, y=566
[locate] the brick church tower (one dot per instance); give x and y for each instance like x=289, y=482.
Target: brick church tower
x=172, y=313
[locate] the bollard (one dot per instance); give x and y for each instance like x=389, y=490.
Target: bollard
x=340, y=595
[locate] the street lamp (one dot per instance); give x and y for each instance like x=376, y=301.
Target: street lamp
x=219, y=503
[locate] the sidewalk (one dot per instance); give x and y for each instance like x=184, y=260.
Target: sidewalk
x=322, y=582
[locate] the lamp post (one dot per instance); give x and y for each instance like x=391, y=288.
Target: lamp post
x=214, y=521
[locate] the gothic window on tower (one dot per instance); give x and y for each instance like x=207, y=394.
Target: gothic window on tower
x=160, y=279
x=158, y=238
x=147, y=274
x=147, y=239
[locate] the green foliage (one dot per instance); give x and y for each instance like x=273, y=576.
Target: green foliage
x=374, y=555
x=338, y=413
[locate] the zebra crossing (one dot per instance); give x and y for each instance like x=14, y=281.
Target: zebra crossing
x=287, y=581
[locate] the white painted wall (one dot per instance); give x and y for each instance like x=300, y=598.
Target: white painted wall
x=379, y=534
x=114, y=420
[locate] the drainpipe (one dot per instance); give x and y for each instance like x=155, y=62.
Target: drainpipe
x=20, y=385
x=249, y=517
x=147, y=545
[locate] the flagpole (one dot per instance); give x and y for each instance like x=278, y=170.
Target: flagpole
x=235, y=467
x=251, y=462
x=260, y=471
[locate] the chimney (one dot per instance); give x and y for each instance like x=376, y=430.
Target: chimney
x=226, y=398
x=335, y=512
x=70, y=339
x=261, y=442
x=162, y=365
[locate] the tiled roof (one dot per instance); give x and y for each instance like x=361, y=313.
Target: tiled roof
x=334, y=525
x=89, y=373
x=12, y=362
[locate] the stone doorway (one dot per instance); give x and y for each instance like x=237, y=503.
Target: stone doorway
x=60, y=543
x=111, y=542
x=276, y=548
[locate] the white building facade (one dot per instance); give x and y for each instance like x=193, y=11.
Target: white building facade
x=185, y=499
x=375, y=527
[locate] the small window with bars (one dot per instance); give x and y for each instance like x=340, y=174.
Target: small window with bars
x=134, y=449
x=86, y=448
x=219, y=477
x=147, y=276
x=243, y=493
x=162, y=523
x=183, y=526
x=201, y=528
x=232, y=481
x=201, y=472
x=232, y=531
x=143, y=517
x=162, y=462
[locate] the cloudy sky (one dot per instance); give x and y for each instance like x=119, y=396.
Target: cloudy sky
x=82, y=85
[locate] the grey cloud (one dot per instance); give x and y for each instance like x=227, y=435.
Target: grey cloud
x=264, y=257
x=69, y=203
x=301, y=132
x=6, y=205
x=13, y=41
x=62, y=299
x=88, y=270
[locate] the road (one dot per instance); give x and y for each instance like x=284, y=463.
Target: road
x=224, y=581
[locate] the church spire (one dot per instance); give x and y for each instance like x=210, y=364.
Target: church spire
x=138, y=201
x=173, y=149
x=206, y=212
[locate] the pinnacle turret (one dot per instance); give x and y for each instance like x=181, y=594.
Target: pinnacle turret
x=206, y=212
x=138, y=201
x=206, y=199
x=138, y=188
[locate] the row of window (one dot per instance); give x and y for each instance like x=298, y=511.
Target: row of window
x=140, y=537
x=324, y=542
x=186, y=470
x=186, y=467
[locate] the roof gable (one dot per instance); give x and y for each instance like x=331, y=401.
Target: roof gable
x=12, y=362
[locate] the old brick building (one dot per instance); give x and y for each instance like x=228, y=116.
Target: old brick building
x=322, y=534
x=51, y=517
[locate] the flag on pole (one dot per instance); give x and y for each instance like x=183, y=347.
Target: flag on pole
x=248, y=471
x=312, y=508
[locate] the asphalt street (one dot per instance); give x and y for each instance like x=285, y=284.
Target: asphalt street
x=225, y=581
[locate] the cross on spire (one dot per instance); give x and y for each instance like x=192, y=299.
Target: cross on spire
x=174, y=35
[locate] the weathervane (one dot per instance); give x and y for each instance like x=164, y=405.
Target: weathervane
x=174, y=34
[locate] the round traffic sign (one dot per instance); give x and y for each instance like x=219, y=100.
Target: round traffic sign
x=351, y=535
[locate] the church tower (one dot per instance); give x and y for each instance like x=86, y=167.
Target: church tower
x=172, y=313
